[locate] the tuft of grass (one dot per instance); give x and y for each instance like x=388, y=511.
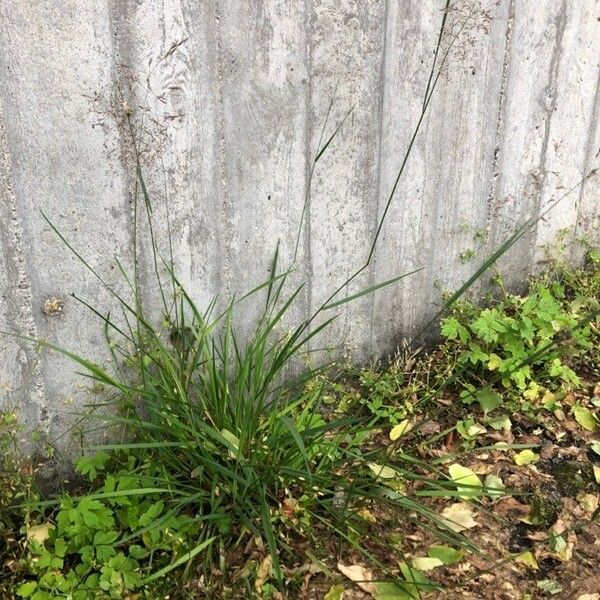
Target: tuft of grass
x=222, y=448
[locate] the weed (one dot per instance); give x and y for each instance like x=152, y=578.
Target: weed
x=506, y=338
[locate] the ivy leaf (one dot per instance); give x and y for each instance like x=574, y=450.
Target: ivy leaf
x=452, y=329
x=488, y=325
x=95, y=514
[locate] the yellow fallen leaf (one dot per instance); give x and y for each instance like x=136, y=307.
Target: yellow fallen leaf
x=426, y=563
x=467, y=482
x=526, y=457
x=589, y=502
x=475, y=430
x=39, y=533
x=458, y=517
x=588, y=597
x=527, y=558
x=383, y=471
x=597, y=474
x=362, y=576
x=400, y=429
x=264, y=573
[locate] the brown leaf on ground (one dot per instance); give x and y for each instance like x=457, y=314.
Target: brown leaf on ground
x=511, y=508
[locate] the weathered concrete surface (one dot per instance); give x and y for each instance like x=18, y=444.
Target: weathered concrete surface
x=228, y=101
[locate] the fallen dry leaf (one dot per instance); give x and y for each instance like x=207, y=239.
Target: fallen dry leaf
x=459, y=516
x=510, y=507
x=362, y=576
x=263, y=573
x=39, y=533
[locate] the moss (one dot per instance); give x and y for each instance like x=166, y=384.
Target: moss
x=572, y=476
x=545, y=507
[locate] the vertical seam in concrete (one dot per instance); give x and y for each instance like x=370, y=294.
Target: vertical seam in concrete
x=589, y=152
x=500, y=120
x=114, y=18
x=382, y=90
x=308, y=270
x=24, y=299
x=561, y=23
x=226, y=208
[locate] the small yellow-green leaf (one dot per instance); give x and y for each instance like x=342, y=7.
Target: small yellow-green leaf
x=494, y=486
x=494, y=362
x=426, y=563
x=550, y=586
x=527, y=558
x=526, y=457
x=399, y=430
x=501, y=423
x=446, y=554
x=475, y=430
x=584, y=417
x=597, y=473
x=336, y=592
x=467, y=482
x=383, y=471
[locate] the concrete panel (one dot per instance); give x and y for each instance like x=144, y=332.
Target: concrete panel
x=228, y=101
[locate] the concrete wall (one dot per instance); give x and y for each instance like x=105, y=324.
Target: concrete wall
x=228, y=99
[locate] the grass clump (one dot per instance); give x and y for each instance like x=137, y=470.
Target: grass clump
x=234, y=476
